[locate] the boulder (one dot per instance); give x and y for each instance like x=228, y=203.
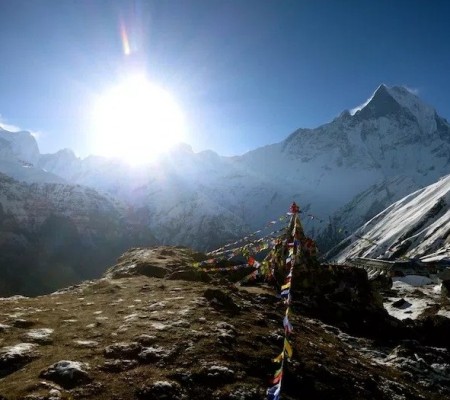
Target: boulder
x=221, y=301
x=68, y=374
x=15, y=357
x=159, y=390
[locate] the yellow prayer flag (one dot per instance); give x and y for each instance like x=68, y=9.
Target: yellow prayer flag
x=287, y=348
x=279, y=358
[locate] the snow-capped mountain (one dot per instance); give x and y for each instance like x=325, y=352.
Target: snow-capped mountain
x=19, y=154
x=358, y=164
x=416, y=226
x=393, y=144
x=18, y=146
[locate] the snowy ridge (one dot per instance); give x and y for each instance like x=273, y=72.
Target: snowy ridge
x=18, y=145
x=189, y=197
x=424, y=114
x=32, y=204
x=415, y=226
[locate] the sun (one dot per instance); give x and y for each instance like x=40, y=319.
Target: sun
x=136, y=121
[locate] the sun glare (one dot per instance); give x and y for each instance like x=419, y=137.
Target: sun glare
x=136, y=121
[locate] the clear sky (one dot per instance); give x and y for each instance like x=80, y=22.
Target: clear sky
x=245, y=72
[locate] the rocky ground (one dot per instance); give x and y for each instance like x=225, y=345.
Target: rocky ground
x=156, y=328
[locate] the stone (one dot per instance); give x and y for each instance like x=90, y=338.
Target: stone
x=221, y=301
x=159, y=390
x=68, y=374
x=122, y=350
x=12, y=358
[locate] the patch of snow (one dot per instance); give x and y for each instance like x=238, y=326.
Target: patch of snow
x=97, y=312
x=159, y=326
x=444, y=313
x=18, y=349
x=226, y=326
x=201, y=301
x=158, y=305
x=181, y=323
x=442, y=369
x=414, y=280
x=4, y=327
x=122, y=328
x=153, y=352
x=219, y=371
x=38, y=334
x=131, y=317
x=221, y=368
x=16, y=315
x=437, y=289
x=67, y=367
x=416, y=298
x=13, y=298
x=54, y=394
x=162, y=384
x=86, y=343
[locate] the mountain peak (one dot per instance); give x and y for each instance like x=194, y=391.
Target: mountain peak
x=393, y=100
x=381, y=103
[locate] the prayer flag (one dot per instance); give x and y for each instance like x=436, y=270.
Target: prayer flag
x=279, y=358
x=287, y=325
x=273, y=393
x=287, y=348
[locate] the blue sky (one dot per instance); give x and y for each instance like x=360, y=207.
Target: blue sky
x=246, y=73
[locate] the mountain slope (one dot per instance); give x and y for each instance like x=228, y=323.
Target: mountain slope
x=53, y=235
x=363, y=207
x=415, y=226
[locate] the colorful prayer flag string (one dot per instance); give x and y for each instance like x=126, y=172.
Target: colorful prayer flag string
x=270, y=223
x=294, y=230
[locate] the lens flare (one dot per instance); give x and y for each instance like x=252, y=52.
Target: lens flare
x=124, y=37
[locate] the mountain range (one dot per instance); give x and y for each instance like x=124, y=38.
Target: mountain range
x=342, y=174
